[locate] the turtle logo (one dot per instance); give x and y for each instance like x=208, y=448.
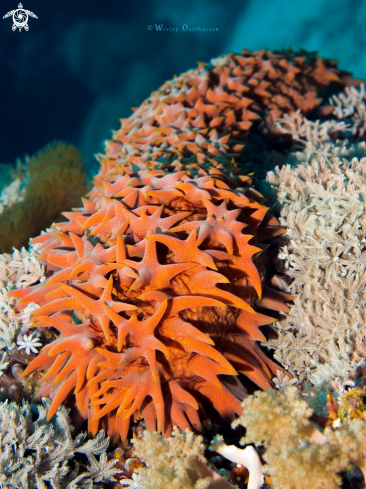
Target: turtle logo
x=20, y=17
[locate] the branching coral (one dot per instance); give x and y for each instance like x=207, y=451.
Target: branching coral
x=132, y=287
x=323, y=210
x=297, y=453
x=179, y=462
x=350, y=106
x=17, y=271
x=303, y=130
x=35, y=453
x=176, y=462
x=54, y=181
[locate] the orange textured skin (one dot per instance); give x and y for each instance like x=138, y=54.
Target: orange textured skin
x=159, y=266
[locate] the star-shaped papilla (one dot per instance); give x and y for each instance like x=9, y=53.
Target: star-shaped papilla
x=249, y=324
x=82, y=249
x=193, y=192
x=244, y=262
x=142, y=223
x=167, y=113
x=37, y=293
x=227, y=175
x=275, y=299
x=203, y=282
x=58, y=239
x=225, y=403
x=237, y=198
x=137, y=197
x=114, y=222
x=221, y=225
x=47, y=240
x=78, y=340
x=76, y=359
x=191, y=338
x=73, y=226
x=141, y=335
x=99, y=216
x=269, y=228
x=129, y=392
x=117, y=427
x=62, y=259
x=167, y=181
x=96, y=263
x=92, y=259
x=112, y=189
x=185, y=251
x=144, y=177
x=206, y=368
x=80, y=301
x=109, y=368
x=83, y=398
x=125, y=273
x=242, y=353
x=183, y=411
x=88, y=209
x=152, y=274
x=137, y=250
x=174, y=327
x=34, y=293
x=135, y=187
x=164, y=196
x=133, y=197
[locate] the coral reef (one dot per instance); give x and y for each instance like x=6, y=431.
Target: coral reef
x=302, y=129
x=247, y=457
x=11, y=194
x=132, y=276
x=161, y=289
x=299, y=453
x=18, y=271
x=323, y=210
x=318, y=442
x=36, y=453
x=350, y=106
x=177, y=461
x=53, y=180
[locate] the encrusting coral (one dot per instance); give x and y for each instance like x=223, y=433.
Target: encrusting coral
x=51, y=181
x=145, y=331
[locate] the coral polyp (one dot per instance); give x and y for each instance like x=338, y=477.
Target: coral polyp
x=155, y=284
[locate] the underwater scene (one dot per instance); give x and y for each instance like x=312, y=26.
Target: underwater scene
x=183, y=244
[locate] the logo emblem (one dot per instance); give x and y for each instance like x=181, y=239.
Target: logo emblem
x=20, y=17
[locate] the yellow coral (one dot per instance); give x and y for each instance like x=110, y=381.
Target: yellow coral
x=55, y=181
x=297, y=453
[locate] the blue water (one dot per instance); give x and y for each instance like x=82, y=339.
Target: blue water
x=82, y=65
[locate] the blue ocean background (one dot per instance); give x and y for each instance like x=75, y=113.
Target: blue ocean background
x=83, y=65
